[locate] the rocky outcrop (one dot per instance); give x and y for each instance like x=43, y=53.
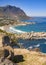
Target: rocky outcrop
x=32, y=35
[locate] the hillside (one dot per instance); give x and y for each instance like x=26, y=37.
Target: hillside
x=12, y=12
x=33, y=58
x=19, y=56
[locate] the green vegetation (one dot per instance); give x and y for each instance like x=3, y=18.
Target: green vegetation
x=17, y=58
x=13, y=38
x=6, y=21
x=1, y=31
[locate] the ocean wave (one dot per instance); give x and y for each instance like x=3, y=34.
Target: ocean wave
x=34, y=46
x=37, y=45
x=16, y=30
x=45, y=43
x=30, y=47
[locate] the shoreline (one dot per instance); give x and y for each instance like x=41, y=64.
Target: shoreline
x=32, y=35
x=23, y=34
x=9, y=27
x=16, y=30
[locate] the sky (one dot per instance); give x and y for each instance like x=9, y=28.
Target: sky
x=30, y=7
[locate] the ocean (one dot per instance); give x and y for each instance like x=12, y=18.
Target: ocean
x=31, y=44
x=40, y=26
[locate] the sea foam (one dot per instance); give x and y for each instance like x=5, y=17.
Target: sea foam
x=16, y=30
x=37, y=45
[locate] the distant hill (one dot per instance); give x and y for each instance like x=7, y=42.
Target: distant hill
x=12, y=12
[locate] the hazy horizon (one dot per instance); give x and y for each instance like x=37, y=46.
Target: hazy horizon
x=33, y=8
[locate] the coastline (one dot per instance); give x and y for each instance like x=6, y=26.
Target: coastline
x=2, y=27
x=9, y=27
x=23, y=34
x=29, y=36
x=16, y=30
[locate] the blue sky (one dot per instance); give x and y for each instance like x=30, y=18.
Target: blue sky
x=31, y=7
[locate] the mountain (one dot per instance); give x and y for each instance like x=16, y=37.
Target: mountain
x=12, y=12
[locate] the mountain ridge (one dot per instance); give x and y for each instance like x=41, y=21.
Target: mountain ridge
x=12, y=12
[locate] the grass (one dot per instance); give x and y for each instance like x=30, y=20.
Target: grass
x=32, y=59
x=29, y=58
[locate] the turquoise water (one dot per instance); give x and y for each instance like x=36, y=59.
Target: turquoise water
x=40, y=26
